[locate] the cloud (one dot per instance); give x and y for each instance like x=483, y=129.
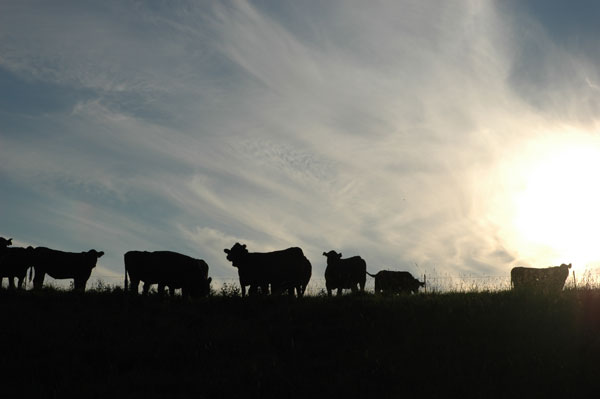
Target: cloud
x=374, y=129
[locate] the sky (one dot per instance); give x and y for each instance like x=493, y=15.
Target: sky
x=456, y=137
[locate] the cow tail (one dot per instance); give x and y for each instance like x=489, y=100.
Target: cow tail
x=372, y=275
x=30, y=273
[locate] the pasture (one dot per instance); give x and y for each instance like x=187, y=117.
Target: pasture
x=487, y=344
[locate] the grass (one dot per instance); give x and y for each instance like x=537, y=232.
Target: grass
x=105, y=343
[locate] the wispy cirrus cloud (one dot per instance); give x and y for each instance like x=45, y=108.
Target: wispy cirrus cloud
x=373, y=128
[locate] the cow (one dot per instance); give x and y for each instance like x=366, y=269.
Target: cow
x=167, y=269
x=63, y=265
x=287, y=269
x=547, y=280
x=343, y=274
x=14, y=264
x=393, y=282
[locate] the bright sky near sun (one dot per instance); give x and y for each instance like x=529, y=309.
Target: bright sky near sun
x=460, y=137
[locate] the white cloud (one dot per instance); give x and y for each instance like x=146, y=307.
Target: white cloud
x=371, y=128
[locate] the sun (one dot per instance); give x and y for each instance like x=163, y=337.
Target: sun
x=556, y=204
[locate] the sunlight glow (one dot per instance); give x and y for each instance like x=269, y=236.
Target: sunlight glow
x=557, y=206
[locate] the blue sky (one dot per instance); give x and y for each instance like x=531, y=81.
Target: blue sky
x=381, y=129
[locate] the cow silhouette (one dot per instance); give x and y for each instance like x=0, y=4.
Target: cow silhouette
x=63, y=265
x=395, y=282
x=167, y=269
x=282, y=270
x=340, y=274
x=14, y=263
x=547, y=280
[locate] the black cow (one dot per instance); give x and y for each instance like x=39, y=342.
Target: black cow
x=167, y=269
x=63, y=265
x=343, y=274
x=287, y=269
x=14, y=264
x=393, y=282
x=548, y=280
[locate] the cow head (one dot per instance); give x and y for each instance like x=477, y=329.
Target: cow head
x=95, y=253
x=236, y=253
x=5, y=242
x=332, y=256
x=200, y=281
x=202, y=288
x=93, y=256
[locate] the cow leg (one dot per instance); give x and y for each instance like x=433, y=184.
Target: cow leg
x=134, y=286
x=243, y=290
x=161, y=289
x=252, y=290
x=339, y=291
x=11, y=282
x=172, y=291
x=38, y=280
x=145, y=288
x=79, y=284
x=20, y=282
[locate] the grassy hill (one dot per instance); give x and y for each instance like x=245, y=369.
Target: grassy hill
x=104, y=343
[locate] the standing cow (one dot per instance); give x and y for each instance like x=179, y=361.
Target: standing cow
x=343, y=274
x=14, y=264
x=63, y=265
x=167, y=269
x=286, y=269
x=547, y=280
x=392, y=282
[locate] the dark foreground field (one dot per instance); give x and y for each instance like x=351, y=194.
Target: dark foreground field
x=106, y=344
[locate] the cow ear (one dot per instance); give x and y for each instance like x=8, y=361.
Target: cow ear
x=244, y=246
x=100, y=253
x=324, y=254
x=208, y=280
x=226, y=250
x=340, y=255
